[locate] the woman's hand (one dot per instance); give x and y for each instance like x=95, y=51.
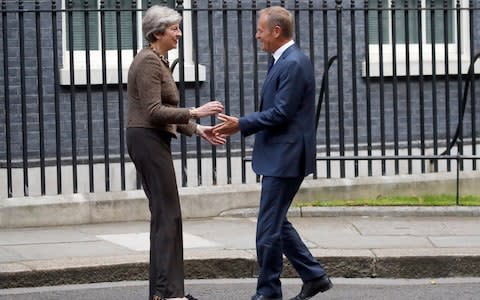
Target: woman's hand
x=208, y=109
x=206, y=133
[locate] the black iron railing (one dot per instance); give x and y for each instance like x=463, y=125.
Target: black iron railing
x=397, y=88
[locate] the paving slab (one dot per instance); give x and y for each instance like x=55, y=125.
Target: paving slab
x=224, y=247
x=471, y=241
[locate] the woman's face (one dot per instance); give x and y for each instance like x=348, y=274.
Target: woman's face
x=170, y=37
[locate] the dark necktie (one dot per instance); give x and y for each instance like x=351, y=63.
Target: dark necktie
x=271, y=61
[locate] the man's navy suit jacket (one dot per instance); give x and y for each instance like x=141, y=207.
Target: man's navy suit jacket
x=285, y=141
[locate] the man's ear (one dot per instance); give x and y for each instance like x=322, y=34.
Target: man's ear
x=277, y=31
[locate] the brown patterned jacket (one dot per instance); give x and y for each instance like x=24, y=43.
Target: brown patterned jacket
x=153, y=96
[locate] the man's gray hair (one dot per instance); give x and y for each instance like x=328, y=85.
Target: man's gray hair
x=157, y=18
x=280, y=16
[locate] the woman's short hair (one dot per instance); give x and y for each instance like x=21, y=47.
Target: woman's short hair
x=157, y=18
x=279, y=16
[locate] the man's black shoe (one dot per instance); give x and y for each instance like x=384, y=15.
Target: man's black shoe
x=313, y=287
x=262, y=297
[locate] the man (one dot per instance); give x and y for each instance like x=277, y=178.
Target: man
x=284, y=153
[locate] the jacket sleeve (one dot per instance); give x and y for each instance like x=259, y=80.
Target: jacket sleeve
x=149, y=84
x=187, y=129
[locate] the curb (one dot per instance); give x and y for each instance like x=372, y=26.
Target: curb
x=360, y=211
x=336, y=266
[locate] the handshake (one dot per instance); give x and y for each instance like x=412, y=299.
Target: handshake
x=216, y=135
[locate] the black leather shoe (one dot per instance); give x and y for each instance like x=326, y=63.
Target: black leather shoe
x=313, y=287
x=262, y=297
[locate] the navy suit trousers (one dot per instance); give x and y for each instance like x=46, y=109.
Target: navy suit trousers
x=276, y=236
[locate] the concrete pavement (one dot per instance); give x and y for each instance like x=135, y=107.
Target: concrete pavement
x=355, y=242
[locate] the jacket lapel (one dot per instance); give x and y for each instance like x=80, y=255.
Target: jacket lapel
x=272, y=74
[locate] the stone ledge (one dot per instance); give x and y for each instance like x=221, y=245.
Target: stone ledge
x=211, y=201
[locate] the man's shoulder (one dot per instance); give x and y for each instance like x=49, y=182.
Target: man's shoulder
x=295, y=53
x=297, y=57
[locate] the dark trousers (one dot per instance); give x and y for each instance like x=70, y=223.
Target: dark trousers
x=150, y=151
x=276, y=236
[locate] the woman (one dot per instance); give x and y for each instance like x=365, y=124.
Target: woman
x=153, y=120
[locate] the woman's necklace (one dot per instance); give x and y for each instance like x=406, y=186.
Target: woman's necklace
x=157, y=52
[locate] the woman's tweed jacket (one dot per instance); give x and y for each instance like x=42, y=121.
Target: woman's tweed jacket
x=153, y=96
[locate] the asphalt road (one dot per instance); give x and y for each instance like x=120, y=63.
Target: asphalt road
x=237, y=289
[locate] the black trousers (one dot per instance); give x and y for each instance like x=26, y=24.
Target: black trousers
x=150, y=151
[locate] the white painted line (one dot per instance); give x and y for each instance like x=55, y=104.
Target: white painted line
x=141, y=241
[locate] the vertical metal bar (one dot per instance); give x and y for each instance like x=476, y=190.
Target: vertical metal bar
x=408, y=84
x=341, y=124
x=181, y=64
x=7, y=99
x=312, y=50
x=106, y=144
x=86, y=16
x=255, y=56
x=211, y=51
x=447, y=80
x=473, y=118
x=241, y=82
x=135, y=13
x=21, y=38
x=226, y=52
x=105, y=109
x=327, y=89
x=421, y=83
x=458, y=161
x=134, y=26
x=297, y=23
x=434, y=83
x=381, y=11
x=197, y=85
x=367, y=87
x=395, y=86
x=40, y=97
x=255, y=63
x=58, y=144
x=121, y=128
x=72, y=97
x=353, y=46
x=459, y=79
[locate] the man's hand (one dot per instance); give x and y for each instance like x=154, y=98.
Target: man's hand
x=229, y=126
x=206, y=132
